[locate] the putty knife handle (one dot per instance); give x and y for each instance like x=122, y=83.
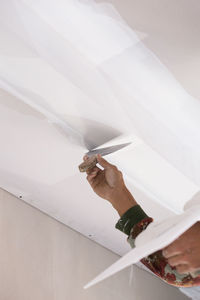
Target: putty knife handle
x=88, y=164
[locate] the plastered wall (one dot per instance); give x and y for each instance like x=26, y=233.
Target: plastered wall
x=42, y=259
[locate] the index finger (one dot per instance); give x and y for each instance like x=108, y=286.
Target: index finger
x=85, y=157
x=92, y=170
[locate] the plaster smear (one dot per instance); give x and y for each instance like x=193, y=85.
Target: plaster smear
x=91, y=65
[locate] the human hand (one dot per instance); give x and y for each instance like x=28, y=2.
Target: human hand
x=109, y=184
x=184, y=253
x=106, y=183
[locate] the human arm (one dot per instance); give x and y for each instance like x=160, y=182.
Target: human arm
x=109, y=184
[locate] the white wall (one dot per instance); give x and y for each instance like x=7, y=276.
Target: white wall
x=42, y=259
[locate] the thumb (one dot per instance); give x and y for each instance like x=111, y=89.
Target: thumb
x=104, y=163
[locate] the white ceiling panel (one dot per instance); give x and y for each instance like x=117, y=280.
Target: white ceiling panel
x=107, y=74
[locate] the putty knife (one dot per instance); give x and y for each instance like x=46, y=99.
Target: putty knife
x=92, y=161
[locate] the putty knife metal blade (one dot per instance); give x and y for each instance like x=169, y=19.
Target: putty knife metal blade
x=92, y=161
x=107, y=150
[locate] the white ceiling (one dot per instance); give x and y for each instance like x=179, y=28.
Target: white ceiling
x=39, y=162
x=171, y=31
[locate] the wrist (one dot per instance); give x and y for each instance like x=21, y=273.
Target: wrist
x=122, y=200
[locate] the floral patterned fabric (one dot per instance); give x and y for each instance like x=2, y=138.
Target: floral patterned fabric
x=132, y=223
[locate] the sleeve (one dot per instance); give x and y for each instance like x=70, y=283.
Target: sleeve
x=132, y=223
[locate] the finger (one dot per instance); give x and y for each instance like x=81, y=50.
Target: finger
x=93, y=170
x=92, y=176
x=182, y=269
x=85, y=157
x=89, y=171
x=178, y=260
x=104, y=163
x=93, y=181
x=172, y=250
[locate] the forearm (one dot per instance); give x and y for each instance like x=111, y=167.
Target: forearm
x=122, y=201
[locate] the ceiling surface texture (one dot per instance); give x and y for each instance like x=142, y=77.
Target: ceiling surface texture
x=88, y=74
